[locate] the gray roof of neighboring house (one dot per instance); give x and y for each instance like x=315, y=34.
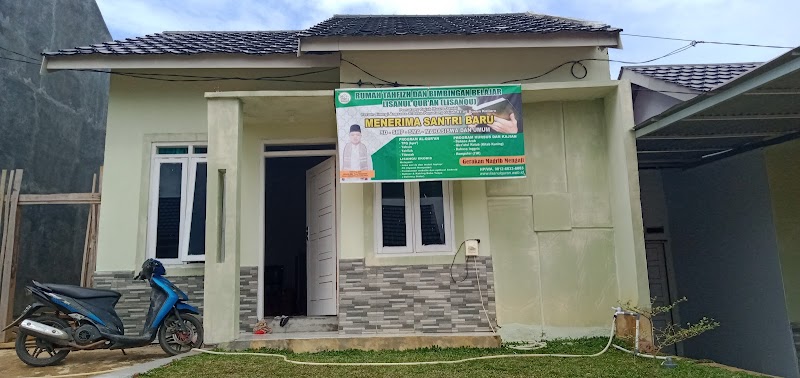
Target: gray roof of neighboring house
x=700, y=77
x=286, y=42
x=244, y=42
x=508, y=23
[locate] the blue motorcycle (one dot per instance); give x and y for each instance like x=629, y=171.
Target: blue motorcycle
x=76, y=318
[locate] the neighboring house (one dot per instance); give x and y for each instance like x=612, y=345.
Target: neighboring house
x=210, y=137
x=52, y=127
x=718, y=151
x=660, y=87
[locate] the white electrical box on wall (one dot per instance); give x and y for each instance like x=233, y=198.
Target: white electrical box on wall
x=472, y=247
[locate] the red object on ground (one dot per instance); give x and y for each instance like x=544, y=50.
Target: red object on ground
x=260, y=332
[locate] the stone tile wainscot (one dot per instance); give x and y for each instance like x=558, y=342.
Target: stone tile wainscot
x=414, y=298
x=132, y=307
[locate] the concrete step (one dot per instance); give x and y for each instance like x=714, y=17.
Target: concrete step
x=306, y=324
x=326, y=341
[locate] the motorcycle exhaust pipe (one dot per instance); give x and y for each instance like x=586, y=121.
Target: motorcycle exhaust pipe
x=45, y=331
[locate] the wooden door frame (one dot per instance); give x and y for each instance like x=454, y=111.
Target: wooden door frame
x=299, y=152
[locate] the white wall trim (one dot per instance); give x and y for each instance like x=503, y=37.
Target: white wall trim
x=664, y=87
x=264, y=155
x=413, y=216
x=188, y=163
x=171, y=61
x=445, y=42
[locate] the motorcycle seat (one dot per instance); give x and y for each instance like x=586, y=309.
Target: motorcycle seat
x=78, y=292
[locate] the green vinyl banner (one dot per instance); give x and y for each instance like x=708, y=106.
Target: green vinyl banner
x=430, y=133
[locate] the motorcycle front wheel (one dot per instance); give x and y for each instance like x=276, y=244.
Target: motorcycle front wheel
x=175, y=339
x=38, y=352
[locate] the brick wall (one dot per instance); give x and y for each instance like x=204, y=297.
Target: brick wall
x=132, y=307
x=248, y=298
x=414, y=298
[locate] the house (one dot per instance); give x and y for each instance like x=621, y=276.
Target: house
x=218, y=162
x=53, y=128
x=717, y=150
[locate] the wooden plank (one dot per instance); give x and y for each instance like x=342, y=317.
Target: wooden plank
x=95, y=232
x=4, y=221
x=86, y=251
x=11, y=292
x=85, y=261
x=59, y=199
x=3, y=175
x=7, y=284
x=92, y=249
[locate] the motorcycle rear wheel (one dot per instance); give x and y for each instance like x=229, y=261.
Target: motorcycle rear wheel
x=174, y=341
x=30, y=347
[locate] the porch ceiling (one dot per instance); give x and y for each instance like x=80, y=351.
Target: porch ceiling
x=758, y=109
x=284, y=108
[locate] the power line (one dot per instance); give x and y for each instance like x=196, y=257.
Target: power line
x=579, y=63
x=18, y=60
x=395, y=83
x=673, y=52
x=709, y=42
x=17, y=53
x=221, y=78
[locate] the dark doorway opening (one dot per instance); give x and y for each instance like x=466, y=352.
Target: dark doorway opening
x=285, y=282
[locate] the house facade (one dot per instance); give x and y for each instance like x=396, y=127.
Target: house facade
x=717, y=150
x=223, y=161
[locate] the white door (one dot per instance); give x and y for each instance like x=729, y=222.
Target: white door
x=321, y=226
x=659, y=285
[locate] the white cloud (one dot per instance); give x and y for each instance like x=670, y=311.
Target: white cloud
x=138, y=17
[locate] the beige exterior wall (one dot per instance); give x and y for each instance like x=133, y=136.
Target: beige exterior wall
x=783, y=173
x=566, y=241
x=448, y=67
x=142, y=112
x=473, y=66
x=557, y=238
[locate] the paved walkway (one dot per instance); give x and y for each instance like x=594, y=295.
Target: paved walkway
x=79, y=362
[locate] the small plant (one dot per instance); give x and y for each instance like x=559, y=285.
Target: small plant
x=670, y=334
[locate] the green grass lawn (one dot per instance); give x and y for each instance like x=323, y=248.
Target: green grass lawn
x=613, y=363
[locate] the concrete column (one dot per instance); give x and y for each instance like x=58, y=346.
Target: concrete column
x=626, y=204
x=221, y=298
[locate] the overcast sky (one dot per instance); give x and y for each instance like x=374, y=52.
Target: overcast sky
x=771, y=22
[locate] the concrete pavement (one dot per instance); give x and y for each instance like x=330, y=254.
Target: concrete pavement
x=80, y=362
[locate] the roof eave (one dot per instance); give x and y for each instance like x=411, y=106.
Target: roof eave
x=444, y=42
x=772, y=70
x=657, y=85
x=173, y=61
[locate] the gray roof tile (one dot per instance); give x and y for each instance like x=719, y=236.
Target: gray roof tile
x=286, y=42
x=700, y=77
x=188, y=43
x=508, y=23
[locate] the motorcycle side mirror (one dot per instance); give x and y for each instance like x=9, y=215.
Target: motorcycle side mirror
x=138, y=277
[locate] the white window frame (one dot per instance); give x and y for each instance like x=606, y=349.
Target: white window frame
x=188, y=163
x=413, y=222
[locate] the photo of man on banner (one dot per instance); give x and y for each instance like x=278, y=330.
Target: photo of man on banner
x=356, y=157
x=506, y=111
